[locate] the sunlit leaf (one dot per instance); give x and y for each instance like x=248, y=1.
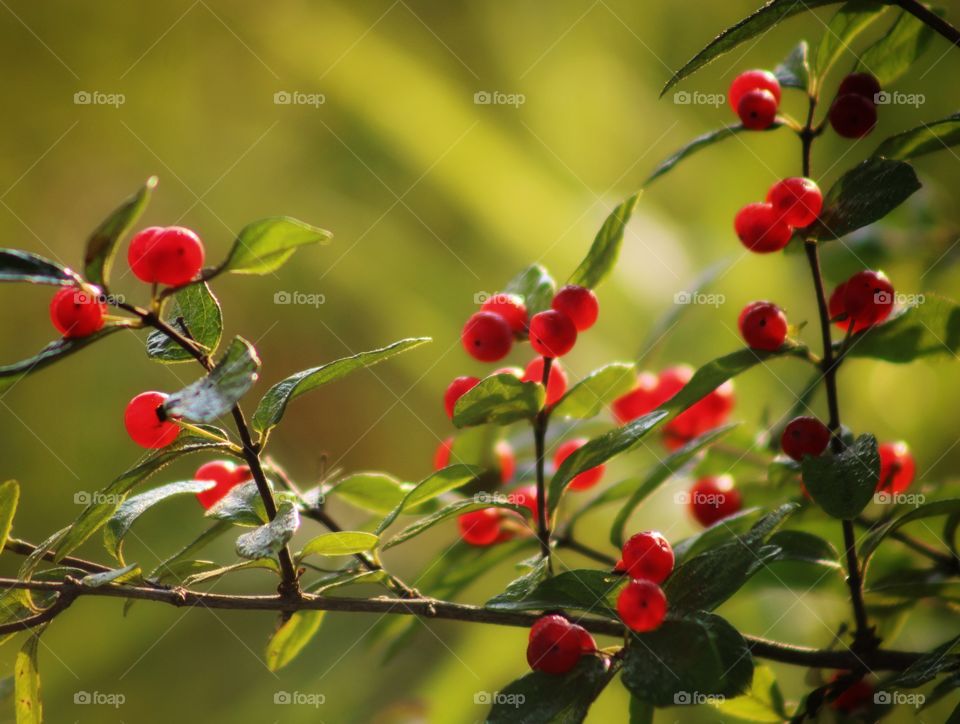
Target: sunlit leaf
x=212, y=396
x=102, y=243
x=292, y=637
x=195, y=308
x=603, y=253
x=268, y=539
x=264, y=246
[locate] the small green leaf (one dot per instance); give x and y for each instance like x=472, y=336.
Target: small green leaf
x=875, y=537
x=268, y=539
x=703, y=141
x=9, y=497
x=212, y=396
x=594, y=392
x=804, y=547
x=435, y=484
x=522, y=587
x=641, y=712
x=458, y=508
x=102, y=243
x=26, y=675
x=863, y=195
x=843, y=484
x=723, y=531
x=794, y=71
x=763, y=702
x=499, y=400
x=120, y=575
x=292, y=637
x=264, y=246
x=242, y=505
x=847, y=23
x=583, y=590
x=339, y=543
x=603, y=253
x=535, y=285
x=23, y=266
x=53, y=352
x=894, y=54
x=930, y=328
x=376, y=492
x=212, y=573
x=172, y=567
x=927, y=667
x=195, y=308
x=925, y=138
x=540, y=698
x=274, y=403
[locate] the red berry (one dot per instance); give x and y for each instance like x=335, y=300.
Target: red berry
x=855, y=697
x=804, y=436
x=556, y=382
x=143, y=422
x=487, y=337
x=76, y=312
x=860, y=84
x=588, y=478
x=170, y=255
x=639, y=401
x=552, y=333
x=555, y=648
x=225, y=474
x=760, y=228
x=763, y=325
x=578, y=303
x=714, y=498
x=897, y=467
x=441, y=458
x=506, y=460
x=456, y=390
x=707, y=413
x=752, y=80
x=544, y=621
x=648, y=556
x=671, y=381
x=527, y=497
x=587, y=644
x=867, y=299
x=510, y=307
x=797, y=201
x=620, y=567
x=642, y=605
x=480, y=527
x=853, y=116
x=757, y=109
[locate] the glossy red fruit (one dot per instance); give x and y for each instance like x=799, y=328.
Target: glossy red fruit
x=487, y=337
x=797, y=201
x=455, y=390
x=171, y=255
x=555, y=648
x=506, y=460
x=225, y=474
x=587, y=644
x=757, y=109
x=642, y=605
x=76, y=312
x=753, y=80
x=763, y=325
x=544, y=621
x=578, y=303
x=556, y=382
x=588, y=478
x=709, y=412
x=552, y=333
x=860, y=84
x=143, y=423
x=867, y=298
x=760, y=229
x=510, y=307
x=897, y=467
x=855, y=697
x=643, y=398
x=714, y=498
x=804, y=436
x=480, y=527
x=441, y=458
x=527, y=497
x=648, y=556
x=853, y=116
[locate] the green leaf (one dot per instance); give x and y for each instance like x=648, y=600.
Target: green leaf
x=641, y=712
x=803, y=547
x=687, y=659
x=339, y=543
x=264, y=246
x=863, y=195
x=214, y=572
x=26, y=675
x=894, y=54
x=794, y=71
x=102, y=243
x=925, y=138
x=179, y=563
x=848, y=22
x=522, y=587
x=540, y=698
x=594, y=392
x=598, y=451
x=717, y=534
x=195, y=308
x=120, y=575
x=347, y=578
x=268, y=539
x=499, y=400
x=843, y=484
x=292, y=637
x=927, y=667
x=132, y=508
x=435, y=484
x=583, y=590
x=273, y=404
x=23, y=266
x=763, y=702
x=53, y=352
x=242, y=505
x=930, y=328
x=9, y=497
x=212, y=396
x=874, y=538
x=603, y=253
x=771, y=14
x=376, y=492
x=458, y=508
x=535, y=285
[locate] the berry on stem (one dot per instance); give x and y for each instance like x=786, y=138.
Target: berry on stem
x=648, y=556
x=143, y=422
x=76, y=312
x=763, y=326
x=225, y=474
x=867, y=299
x=853, y=116
x=757, y=109
x=752, y=80
x=455, y=390
x=804, y=436
x=578, y=303
x=897, y=467
x=714, y=498
x=797, y=201
x=552, y=333
x=760, y=229
x=480, y=527
x=588, y=478
x=555, y=645
x=556, y=382
x=642, y=605
x=487, y=337
x=510, y=307
x=860, y=84
x=171, y=255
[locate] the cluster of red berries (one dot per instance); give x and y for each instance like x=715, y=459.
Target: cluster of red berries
x=755, y=98
x=653, y=390
x=556, y=645
x=647, y=558
x=864, y=300
x=854, y=110
x=226, y=474
x=793, y=203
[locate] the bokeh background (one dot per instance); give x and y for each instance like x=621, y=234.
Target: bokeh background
x=433, y=198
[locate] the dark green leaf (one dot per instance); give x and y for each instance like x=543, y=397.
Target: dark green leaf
x=437, y=483
x=536, y=287
x=458, y=508
x=23, y=266
x=583, y=590
x=930, y=328
x=763, y=702
x=266, y=540
x=641, y=712
x=803, y=547
x=594, y=392
x=53, y=352
x=844, y=27
x=171, y=568
x=26, y=675
x=717, y=534
x=242, y=505
x=925, y=138
x=9, y=497
x=863, y=195
x=843, y=484
x=927, y=667
x=212, y=396
x=376, y=492
x=603, y=253
x=102, y=243
x=195, y=308
x=214, y=572
x=120, y=575
x=499, y=400
x=892, y=55
x=794, y=71
x=264, y=246
x=875, y=537
x=522, y=587
x=271, y=408
x=339, y=543
x=290, y=639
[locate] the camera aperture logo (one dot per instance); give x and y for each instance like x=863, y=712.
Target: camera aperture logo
x=299, y=698
x=98, y=98
x=99, y=698
x=499, y=98
x=298, y=98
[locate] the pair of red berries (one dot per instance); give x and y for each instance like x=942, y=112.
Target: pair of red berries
x=714, y=498
x=755, y=98
x=647, y=558
x=793, y=203
x=506, y=460
x=864, y=300
x=488, y=335
x=854, y=110
x=226, y=474
x=556, y=645
x=763, y=326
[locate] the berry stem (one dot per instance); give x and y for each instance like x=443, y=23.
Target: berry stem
x=539, y=438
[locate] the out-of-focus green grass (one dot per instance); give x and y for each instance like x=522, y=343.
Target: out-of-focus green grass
x=432, y=199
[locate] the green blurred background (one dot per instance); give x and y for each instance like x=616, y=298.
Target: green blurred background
x=433, y=199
